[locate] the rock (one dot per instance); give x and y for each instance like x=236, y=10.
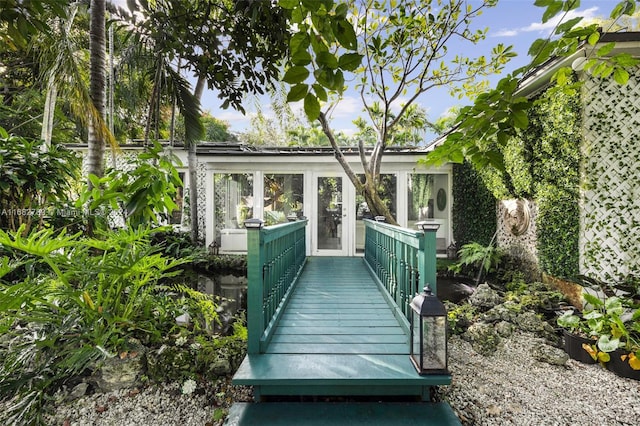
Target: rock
x=78, y=391
x=550, y=354
x=504, y=329
x=529, y=321
x=485, y=297
x=507, y=311
x=220, y=366
x=483, y=338
x=123, y=371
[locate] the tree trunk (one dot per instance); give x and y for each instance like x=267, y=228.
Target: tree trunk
x=193, y=173
x=47, y=116
x=97, y=51
x=368, y=189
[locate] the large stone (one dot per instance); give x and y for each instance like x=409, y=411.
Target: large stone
x=483, y=338
x=504, y=329
x=121, y=372
x=529, y=321
x=507, y=311
x=220, y=366
x=550, y=354
x=485, y=297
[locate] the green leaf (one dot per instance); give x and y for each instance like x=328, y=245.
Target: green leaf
x=301, y=57
x=325, y=77
x=625, y=60
x=320, y=92
x=95, y=180
x=295, y=74
x=327, y=59
x=341, y=10
x=552, y=10
x=311, y=106
x=566, y=26
x=606, y=344
x=345, y=34
x=288, y=4
x=593, y=38
x=621, y=76
x=606, y=49
x=350, y=61
x=298, y=43
x=338, y=81
x=297, y=92
x=591, y=299
x=520, y=119
x=626, y=7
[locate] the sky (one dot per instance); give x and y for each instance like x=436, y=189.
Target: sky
x=511, y=22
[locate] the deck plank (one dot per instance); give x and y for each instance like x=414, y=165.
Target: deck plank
x=337, y=335
x=339, y=413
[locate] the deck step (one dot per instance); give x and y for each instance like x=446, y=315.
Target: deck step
x=334, y=374
x=341, y=413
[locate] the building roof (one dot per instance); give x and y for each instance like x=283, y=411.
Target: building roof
x=237, y=148
x=217, y=148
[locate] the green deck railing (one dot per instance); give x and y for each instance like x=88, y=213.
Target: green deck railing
x=275, y=257
x=403, y=260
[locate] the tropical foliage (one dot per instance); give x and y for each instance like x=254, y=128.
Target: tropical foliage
x=35, y=185
x=68, y=303
x=497, y=114
x=397, y=51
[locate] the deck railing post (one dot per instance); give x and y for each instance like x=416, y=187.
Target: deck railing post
x=427, y=262
x=255, y=278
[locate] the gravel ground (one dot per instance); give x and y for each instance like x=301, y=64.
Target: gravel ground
x=508, y=388
x=512, y=388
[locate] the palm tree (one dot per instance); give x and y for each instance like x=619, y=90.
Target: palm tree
x=97, y=88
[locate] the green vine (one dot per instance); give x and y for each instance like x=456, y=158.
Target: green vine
x=473, y=209
x=543, y=164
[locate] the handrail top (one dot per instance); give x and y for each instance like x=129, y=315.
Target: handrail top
x=411, y=237
x=393, y=228
x=269, y=233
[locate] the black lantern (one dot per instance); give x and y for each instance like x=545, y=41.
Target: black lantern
x=428, y=334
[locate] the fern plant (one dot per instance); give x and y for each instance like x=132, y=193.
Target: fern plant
x=83, y=302
x=476, y=256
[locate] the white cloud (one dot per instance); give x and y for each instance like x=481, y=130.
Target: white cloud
x=505, y=33
x=550, y=25
x=349, y=107
x=231, y=116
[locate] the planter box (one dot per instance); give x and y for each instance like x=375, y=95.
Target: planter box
x=620, y=367
x=573, y=347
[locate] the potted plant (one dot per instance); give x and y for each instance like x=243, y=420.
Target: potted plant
x=576, y=335
x=615, y=323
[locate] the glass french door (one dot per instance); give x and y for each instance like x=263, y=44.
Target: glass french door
x=331, y=222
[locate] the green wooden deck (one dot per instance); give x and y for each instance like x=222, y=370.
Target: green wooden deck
x=338, y=414
x=337, y=336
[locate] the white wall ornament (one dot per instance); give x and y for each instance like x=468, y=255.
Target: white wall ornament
x=516, y=216
x=517, y=229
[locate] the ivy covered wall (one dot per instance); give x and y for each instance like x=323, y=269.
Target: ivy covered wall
x=543, y=165
x=610, y=232
x=474, y=207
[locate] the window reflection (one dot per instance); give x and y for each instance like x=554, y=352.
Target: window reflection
x=283, y=197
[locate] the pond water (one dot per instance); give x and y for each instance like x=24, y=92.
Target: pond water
x=232, y=289
x=454, y=289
